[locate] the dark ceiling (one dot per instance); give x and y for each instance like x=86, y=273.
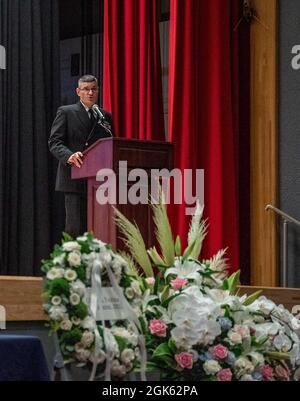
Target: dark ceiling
x=85, y=17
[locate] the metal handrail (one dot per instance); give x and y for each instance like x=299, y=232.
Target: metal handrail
x=286, y=218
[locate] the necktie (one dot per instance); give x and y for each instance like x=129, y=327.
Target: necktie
x=92, y=117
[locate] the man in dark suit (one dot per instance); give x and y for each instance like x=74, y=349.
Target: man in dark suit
x=74, y=129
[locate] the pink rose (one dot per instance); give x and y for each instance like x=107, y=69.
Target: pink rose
x=282, y=372
x=178, y=283
x=224, y=375
x=158, y=327
x=184, y=360
x=219, y=351
x=267, y=372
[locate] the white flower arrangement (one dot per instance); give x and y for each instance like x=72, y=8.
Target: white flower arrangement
x=68, y=279
x=195, y=324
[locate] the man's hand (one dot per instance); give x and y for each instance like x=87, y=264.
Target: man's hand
x=76, y=159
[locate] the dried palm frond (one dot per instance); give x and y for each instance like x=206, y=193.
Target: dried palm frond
x=197, y=232
x=133, y=240
x=218, y=262
x=130, y=263
x=163, y=231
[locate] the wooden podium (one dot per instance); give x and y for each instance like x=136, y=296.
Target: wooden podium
x=106, y=154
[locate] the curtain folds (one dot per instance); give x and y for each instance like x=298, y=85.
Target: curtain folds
x=203, y=114
x=29, y=88
x=132, y=86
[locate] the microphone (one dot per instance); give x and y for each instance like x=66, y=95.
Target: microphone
x=102, y=122
x=99, y=113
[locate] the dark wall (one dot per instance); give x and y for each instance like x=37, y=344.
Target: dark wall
x=289, y=127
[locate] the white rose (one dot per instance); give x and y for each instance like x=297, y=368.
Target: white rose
x=56, y=300
x=83, y=355
x=66, y=324
x=127, y=355
x=74, y=299
x=60, y=272
x=128, y=366
x=257, y=358
x=118, y=370
x=211, y=367
x=247, y=378
x=52, y=274
x=75, y=320
x=70, y=275
x=78, y=347
x=71, y=246
x=88, y=323
x=243, y=366
x=87, y=339
x=74, y=258
x=129, y=292
x=234, y=337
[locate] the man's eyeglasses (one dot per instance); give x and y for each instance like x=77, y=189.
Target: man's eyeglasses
x=89, y=90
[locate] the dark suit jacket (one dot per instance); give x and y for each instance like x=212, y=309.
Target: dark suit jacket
x=73, y=131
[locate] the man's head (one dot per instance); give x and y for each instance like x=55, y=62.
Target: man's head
x=88, y=90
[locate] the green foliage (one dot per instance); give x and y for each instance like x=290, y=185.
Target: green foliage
x=253, y=297
x=59, y=286
x=67, y=237
x=71, y=337
x=80, y=310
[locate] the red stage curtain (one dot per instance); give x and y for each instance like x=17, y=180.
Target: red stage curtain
x=203, y=113
x=132, y=86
